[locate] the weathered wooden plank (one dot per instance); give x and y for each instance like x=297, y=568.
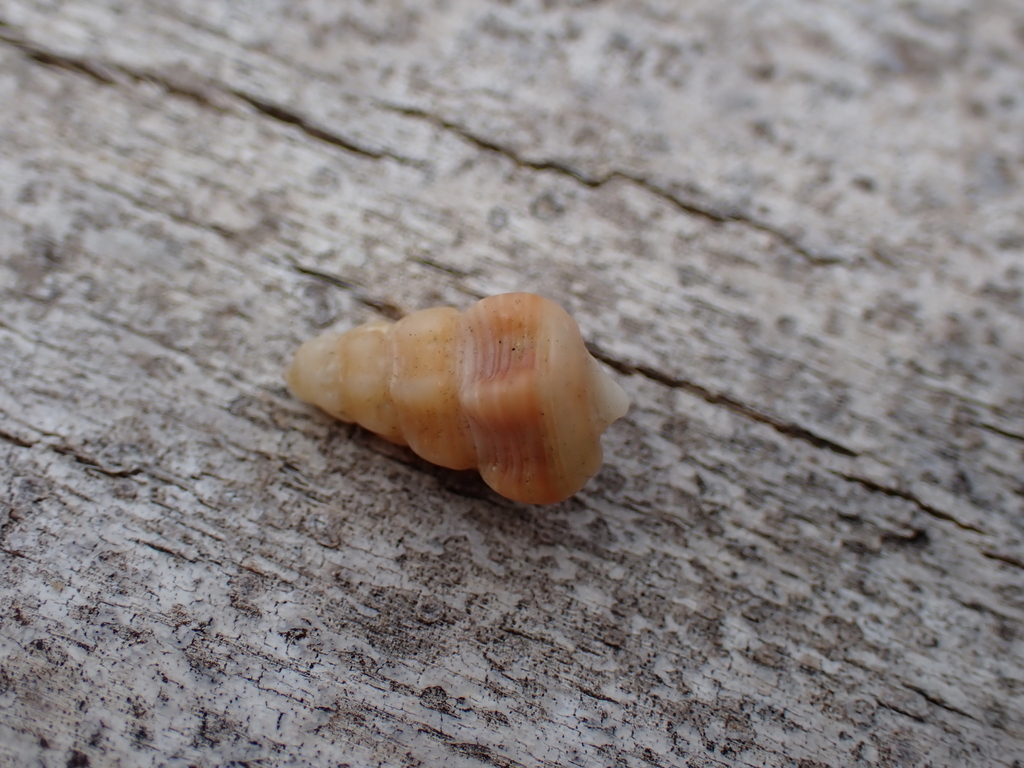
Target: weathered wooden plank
x=796, y=233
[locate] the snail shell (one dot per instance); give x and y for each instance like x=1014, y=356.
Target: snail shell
x=506, y=387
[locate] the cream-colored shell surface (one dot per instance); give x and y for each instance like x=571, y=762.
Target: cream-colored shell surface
x=506, y=387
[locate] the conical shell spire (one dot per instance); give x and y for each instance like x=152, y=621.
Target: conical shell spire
x=507, y=387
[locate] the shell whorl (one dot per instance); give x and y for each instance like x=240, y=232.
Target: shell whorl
x=507, y=387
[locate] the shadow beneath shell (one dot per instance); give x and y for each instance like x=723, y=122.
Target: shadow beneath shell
x=466, y=482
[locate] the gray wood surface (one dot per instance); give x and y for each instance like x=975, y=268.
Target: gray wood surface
x=795, y=230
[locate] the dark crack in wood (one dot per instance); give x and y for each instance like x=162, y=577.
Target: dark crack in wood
x=938, y=701
x=385, y=308
x=74, y=453
x=104, y=73
x=166, y=550
x=484, y=754
x=721, y=214
x=284, y=115
x=596, y=695
x=1008, y=559
x=7, y=437
x=82, y=66
x=453, y=271
x=901, y=711
x=896, y=493
x=717, y=398
x=1000, y=431
x=95, y=464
